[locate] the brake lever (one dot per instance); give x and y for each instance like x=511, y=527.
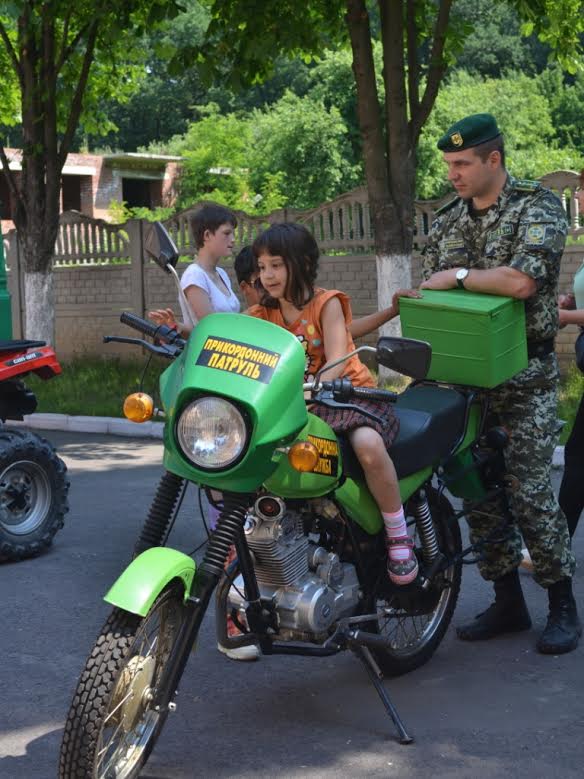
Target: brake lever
x=169, y=351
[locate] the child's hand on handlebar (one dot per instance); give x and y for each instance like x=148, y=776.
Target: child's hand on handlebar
x=163, y=316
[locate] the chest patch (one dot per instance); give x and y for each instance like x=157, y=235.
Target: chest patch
x=499, y=232
x=535, y=235
x=451, y=244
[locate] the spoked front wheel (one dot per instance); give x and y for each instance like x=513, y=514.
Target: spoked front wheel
x=414, y=622
x=112, y=725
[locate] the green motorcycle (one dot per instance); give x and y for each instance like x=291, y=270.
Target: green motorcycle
x=310, y=573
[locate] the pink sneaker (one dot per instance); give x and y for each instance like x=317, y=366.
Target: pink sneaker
x=405, y=570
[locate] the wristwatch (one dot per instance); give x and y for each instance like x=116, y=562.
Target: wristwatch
x=461, y=275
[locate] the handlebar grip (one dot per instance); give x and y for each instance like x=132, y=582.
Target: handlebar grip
x=139, y=324
x=373, y=393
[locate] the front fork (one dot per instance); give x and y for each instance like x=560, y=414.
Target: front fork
x=229, y=529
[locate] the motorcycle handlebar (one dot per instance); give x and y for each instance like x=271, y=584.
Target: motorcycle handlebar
x=373, y=393
x=139, y=324
x=343, y=390
x=163, y=332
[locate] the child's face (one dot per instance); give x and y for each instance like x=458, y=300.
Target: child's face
x=273, y=275
x=250, y=292
x=220, y=243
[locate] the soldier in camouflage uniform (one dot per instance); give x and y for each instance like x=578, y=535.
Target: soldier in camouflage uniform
x=505, y=236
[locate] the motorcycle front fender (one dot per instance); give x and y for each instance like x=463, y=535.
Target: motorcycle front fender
x=146, y=576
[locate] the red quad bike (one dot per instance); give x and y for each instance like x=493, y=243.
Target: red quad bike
x=33, y=479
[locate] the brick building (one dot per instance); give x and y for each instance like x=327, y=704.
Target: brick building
x=91, y=181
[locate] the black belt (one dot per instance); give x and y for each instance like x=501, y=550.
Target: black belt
x=540, y=348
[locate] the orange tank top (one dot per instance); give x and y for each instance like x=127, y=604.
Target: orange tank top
x=308, y=329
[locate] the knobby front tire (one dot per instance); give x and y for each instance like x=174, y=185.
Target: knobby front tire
x=112, y=727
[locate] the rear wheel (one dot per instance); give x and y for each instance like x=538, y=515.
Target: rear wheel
x=414, y=622
x=33, y=494
x=112, y=726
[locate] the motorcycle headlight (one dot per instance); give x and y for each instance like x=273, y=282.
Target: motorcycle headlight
x=211, y=432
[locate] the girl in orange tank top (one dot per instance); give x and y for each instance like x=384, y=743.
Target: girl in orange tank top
x=287, y=257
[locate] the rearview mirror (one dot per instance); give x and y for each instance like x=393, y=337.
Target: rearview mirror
x=405, y=355
x=160, y=247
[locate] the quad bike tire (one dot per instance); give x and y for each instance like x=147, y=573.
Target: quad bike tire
x=34, y=492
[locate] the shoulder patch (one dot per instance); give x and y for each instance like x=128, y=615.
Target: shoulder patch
x=447, y=206
x=525, y=185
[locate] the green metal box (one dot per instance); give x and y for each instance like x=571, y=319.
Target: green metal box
x=476, y=339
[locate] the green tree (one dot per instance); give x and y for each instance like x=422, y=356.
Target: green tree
x=161, y=105
x=65, y=59
x=494, y=44
x=419, y=39
x=308, y=144
x=523, y=113
x=566, y=99
x=215, y=165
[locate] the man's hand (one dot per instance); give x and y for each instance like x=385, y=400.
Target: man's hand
x=443, y=279
x=567, y=301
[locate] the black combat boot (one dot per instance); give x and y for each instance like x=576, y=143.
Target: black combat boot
x=563, y=628
x=508, y=614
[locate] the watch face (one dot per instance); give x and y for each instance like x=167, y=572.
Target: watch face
x=461, y=274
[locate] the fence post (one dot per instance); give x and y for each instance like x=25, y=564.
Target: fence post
x=134, y=228
x=15, y=284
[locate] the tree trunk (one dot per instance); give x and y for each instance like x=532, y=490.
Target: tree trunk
x=394, y=271
x=37, y=238
x=39, y=306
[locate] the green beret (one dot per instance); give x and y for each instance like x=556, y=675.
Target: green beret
x=468, y=132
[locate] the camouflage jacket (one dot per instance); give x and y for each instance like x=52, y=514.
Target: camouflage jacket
x=525, y=229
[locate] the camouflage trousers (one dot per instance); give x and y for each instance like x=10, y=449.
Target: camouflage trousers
x=530, y=418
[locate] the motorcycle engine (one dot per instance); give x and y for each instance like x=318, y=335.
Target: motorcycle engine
x=309, y=587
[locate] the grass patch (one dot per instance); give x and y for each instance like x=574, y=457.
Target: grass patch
x=95, y=386
x=571, y=389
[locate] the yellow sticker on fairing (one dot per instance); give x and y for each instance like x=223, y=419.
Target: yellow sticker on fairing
x=328, y=455
x=239, y=358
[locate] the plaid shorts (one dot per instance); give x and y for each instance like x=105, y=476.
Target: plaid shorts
x=344, y=420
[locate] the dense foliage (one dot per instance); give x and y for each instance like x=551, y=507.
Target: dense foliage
x=292, y=138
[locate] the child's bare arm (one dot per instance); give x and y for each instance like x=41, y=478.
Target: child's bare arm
x=367, y=324
x=334, y=332
x=199, y=301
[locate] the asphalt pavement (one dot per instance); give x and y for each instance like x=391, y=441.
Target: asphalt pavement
x=480, y=710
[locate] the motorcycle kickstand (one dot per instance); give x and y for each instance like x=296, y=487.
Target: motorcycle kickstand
x=375, y=674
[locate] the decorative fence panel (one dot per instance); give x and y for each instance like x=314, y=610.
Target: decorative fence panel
x=85, y=241
x=100, y=268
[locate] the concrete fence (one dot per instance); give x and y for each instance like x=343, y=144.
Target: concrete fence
x=100, y=268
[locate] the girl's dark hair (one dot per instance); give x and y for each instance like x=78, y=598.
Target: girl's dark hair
x=296, y=246
x=245, y=264
x=210, y=217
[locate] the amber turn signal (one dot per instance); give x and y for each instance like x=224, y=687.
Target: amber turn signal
x=303, y=456
x=138, y=407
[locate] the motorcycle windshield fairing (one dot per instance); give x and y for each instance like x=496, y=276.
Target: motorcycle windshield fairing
x=256, y=366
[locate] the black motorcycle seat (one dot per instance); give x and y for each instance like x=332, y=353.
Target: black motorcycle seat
x=19, y=346
x=431, y=422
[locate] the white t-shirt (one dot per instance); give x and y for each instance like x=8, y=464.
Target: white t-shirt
x=220, y=302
